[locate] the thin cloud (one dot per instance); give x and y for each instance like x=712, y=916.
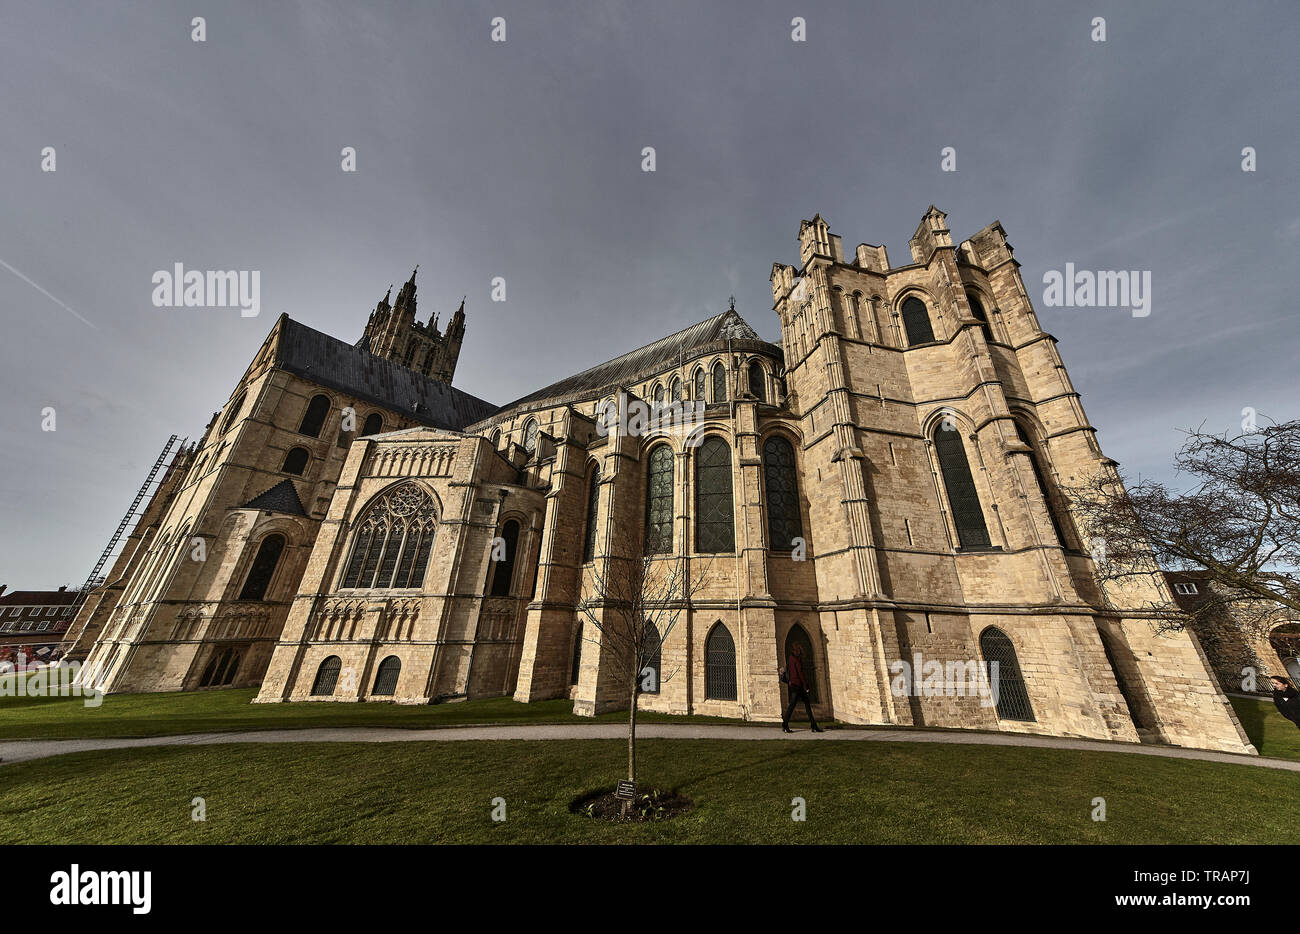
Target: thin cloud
x=56, y=301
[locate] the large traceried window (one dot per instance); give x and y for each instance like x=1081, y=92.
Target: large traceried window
x=393, y=540
x=916, y=322
x=715, y=526
x=593, y=513
x=963, y=499
x=781, y=490
x=719, y=382
x=263, y=568
x=659, y=501
x=314, y=419
x=720, y=664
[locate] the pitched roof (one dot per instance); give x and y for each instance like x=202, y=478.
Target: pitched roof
x=330, y=362
x=644, y=361
x=39, y=597
x=283, y=497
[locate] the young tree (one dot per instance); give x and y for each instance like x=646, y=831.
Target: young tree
x=635, y=602
x=1238, y=521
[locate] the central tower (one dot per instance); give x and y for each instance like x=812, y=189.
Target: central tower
x=393, y=333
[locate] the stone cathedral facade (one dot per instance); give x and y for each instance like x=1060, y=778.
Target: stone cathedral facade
x=883, y=487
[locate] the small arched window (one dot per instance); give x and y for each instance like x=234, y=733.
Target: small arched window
x=314, y=419
x=496, y=438
x=221, y=669
x=715, y=527
x=530, y=436
x=677, y=389
x=327, y=676
x=295, y=462
x=916, y=322
x=233, y=413
x=393, y=540
x=374, y=424
x=757, y=381
x=799, y=636
x=719, y=664
x=503, y=571
x=386, y=678
x=963, y=499
x=1052, y=502
x=593, y=513
x=698, y=389
x=659, y=501
x=659, y=392
x=977, y=310
x=652, y=659
x=1012, y=696
x=575, y=666
x=781, y=486
x=719, y=382
x=263, y=568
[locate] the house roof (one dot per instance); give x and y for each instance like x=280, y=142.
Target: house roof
x=336, y=364
x=39, y=597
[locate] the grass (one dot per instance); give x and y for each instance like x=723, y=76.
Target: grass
x=443, y=793
x=1273, y=734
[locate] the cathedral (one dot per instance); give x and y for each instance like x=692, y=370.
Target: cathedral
x=883, y=489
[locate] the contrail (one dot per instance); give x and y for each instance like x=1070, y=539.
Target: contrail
x=45, y=293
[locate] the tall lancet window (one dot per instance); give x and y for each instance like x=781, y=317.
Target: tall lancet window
x=593, y=513
x=916, y=322
x=393, y=540
x=719, y=382
x=780, y=485
x=715, y=524
x=963, y=499
x=659, y=501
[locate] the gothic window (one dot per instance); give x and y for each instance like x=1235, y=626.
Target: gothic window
x=410, y=354
x=374, y=424
x=781, y=489
x=652, y=655
x=327, y=675
x=963, y=499
x=259, y=575
x=916, y=321
x=756, y=381
x=1012, y=697
x=386, y=677
x=698, y=391
x=576, y=664
x=503, y=571
x=314, y=420
x=496, y=438
x=530, y=436
x=659, y=392
x=799, y=636
x=427, y=367
x=593, y=512
x=393, y=540
x=715, y=527
x=719, y=382
x=676, y=393
x=977, y=310
x=235, y=408
x=719, y=664
x=221, y=669
x=295, y=462
x=659, y=501
x=1052, y=503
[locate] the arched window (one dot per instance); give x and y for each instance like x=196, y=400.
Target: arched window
x=1053, y=504
x=1012, y=697
x=576, y=665
x=496, y=438
x=757, y=381
x=719, y=664
x=659, y=392
x=263, y=568
x=235, y=408
x=659, y=501
x=916, y=322
x=393, y=540
x=963, y=499
x=799, y=636
x=677, y=389
x=314, y=420
x=503, y=571
x=386, y=677
x=652, y=654
x=977, y=310
x=295, y=462
x=715, y=527
x=530, y=436
x=593, y=513
x=221, y=669
x=327, y=675
x=719, y=382
x=374, y=424
x=698, y=390
x=781, y=489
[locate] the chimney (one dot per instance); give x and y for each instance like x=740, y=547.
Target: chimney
x=3, y=588
x=63, y=588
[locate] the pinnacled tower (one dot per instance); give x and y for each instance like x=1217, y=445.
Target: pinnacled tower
x=393, y=333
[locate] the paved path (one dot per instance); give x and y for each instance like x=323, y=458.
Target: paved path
x=24, y=749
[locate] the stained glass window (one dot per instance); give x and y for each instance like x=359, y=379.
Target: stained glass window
x=677, y=389
x=699, y=385
x=393, y=540
x=963, y=499
x=916, y=321
x=782, y=493
x=659, y=501
x=530, y=436
x=715, y=528
x=720, y=664
x=719, y=382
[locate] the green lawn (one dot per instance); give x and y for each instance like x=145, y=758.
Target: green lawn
x=443, y=793
x=1273, y=734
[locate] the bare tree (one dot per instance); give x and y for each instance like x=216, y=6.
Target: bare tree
x=1238, y=522
x=634, y=604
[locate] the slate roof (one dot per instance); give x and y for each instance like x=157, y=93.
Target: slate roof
x=336, y=364
x=636, y=365
x=39, y=597
x=283, y=497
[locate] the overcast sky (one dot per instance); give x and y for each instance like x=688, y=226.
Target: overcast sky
x=523, y=160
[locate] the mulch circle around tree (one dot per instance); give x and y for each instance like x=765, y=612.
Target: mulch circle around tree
x=647, y=807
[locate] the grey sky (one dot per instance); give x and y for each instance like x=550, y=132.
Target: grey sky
x=522, y=160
